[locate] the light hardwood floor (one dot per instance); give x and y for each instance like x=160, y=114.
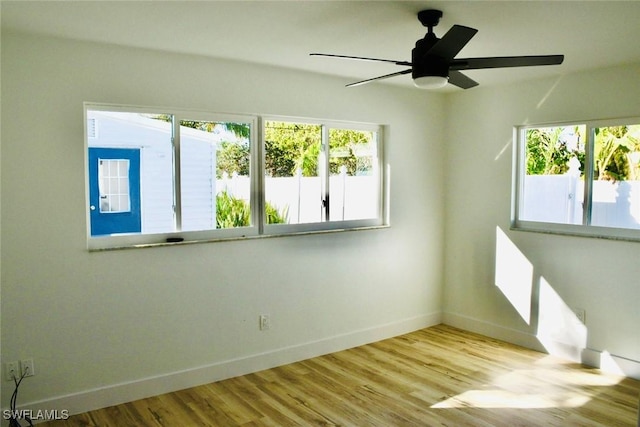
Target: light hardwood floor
x=439, y=376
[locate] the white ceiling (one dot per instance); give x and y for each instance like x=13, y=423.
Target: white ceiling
x=591, y=34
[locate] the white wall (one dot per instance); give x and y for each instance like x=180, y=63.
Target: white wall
x=170, y=317
x=600, y=276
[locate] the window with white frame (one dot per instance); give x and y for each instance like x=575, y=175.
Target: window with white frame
x=187, y=177
x=321, y=175
x=204, y=176
x=579, y=178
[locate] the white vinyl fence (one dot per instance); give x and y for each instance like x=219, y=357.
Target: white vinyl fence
x=351, y=197
x=558, y=199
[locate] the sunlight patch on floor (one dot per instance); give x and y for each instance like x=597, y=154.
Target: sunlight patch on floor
x=542, y=386
x=509, y=399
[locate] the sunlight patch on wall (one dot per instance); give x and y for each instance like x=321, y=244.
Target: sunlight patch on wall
x=514, y=275
x=549, y=92
x=559, y=330
x=608, y=364
x=504, y=149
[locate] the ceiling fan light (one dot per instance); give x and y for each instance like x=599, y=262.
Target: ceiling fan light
x=430, y=82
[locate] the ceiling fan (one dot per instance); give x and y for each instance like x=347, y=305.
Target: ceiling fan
x=433, y=63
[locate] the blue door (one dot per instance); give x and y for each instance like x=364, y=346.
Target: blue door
x=114, y=190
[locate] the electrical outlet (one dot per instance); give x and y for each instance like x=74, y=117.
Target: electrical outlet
x=27, y=368
x=265, y=322
x=580, y=315
x=11, y=371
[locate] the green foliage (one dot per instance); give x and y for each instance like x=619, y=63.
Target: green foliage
x=290, y=146
x=234, y=212
x=241, y=130
x=274, y=216
x=277, y=161
x=613, y=146
x=547, y=152
x=203, y=126
x=307, y=160
x=615, y=152
x=232, y=157
x=343, y=144
x=231, y=211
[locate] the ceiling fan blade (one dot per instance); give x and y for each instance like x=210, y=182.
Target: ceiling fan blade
x=505, y=61
x=452, y=42
x=386, y=76
x=361, y=58
x=456, y=78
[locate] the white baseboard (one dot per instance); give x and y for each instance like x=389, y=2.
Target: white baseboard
x=126, y=392
x=611, y=363
x=590, y=357
x=492, y=330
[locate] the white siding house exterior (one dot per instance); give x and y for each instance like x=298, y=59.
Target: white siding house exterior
x=107, y=129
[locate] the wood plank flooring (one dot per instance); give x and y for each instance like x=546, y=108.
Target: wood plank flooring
x=439, y=376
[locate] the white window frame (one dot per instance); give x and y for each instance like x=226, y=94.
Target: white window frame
x=519, y=170
x=326, y=225
x=258, y=227
x=142, y=239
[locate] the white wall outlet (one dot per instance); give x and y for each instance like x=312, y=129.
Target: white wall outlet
x=265, y=322
x=11, y=371
x=27, y=367
x=580, y=315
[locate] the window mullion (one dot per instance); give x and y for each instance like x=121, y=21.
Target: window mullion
x=177, y=199
x=257, y=174
x=323, y=165
x=378, y=167
x=588, y=175
x=519, y=173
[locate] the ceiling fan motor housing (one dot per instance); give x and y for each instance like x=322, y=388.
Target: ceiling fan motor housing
x=425, y=64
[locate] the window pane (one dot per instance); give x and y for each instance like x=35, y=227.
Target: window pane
x=113, y=175
x=353, y=182
x=616, y=177
x=214, y=175
x=293, y=184
x=133, y=158
x=553, y=185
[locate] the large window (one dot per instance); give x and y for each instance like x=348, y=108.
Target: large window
x=321, y=175
x=579, y=178
x=163, y=175
x=158, y=176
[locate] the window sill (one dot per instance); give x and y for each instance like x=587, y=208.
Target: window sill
x=594, y=232
x=236, y=238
